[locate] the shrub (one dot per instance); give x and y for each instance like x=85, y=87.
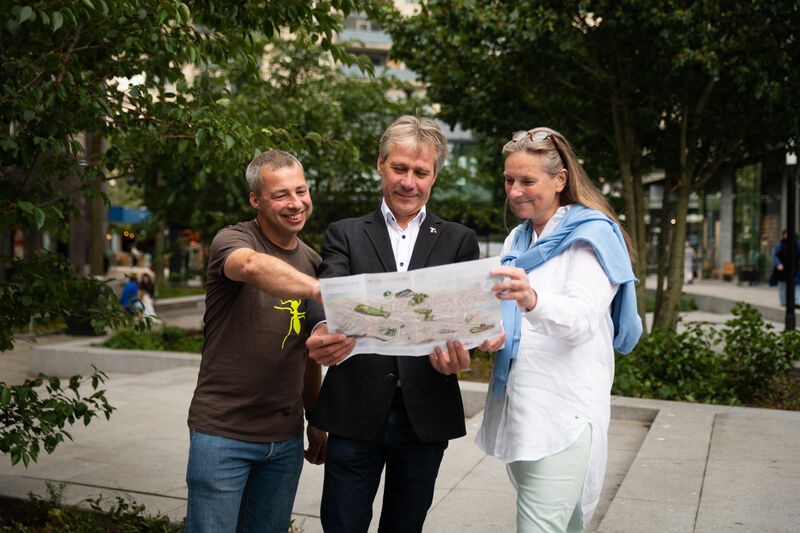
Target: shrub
x=739, y=364
x=671, y=366
x=755, y=353
x=167, y=338
x=123, y=516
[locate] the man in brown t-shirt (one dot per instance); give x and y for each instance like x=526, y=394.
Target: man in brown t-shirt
x=255, y=380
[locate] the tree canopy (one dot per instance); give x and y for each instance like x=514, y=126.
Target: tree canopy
x=688, y=87
x=177, y=97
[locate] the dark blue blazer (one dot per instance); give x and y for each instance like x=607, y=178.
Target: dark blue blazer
x=356, y=394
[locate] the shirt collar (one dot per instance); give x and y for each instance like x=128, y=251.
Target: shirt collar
x=389, y=217
x=552, y=223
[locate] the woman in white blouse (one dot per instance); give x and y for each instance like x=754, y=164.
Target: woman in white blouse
x=568, y=301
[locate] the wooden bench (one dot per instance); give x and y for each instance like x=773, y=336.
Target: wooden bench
x=727, y=271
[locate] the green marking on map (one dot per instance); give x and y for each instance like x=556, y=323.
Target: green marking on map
x=371, y=311
x=478, y=329
x=418, y=298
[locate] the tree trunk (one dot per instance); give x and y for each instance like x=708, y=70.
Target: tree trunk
x=158, y=244
x=158, y=252
x=97, y=234
x=664, y=240
x=667, y=310
x=633, y=194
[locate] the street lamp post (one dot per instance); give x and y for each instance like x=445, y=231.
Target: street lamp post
x=791, y=189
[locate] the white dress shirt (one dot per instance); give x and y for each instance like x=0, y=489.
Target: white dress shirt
x=403, y=240
x=561, y=379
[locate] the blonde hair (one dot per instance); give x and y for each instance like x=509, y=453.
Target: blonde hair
x=556, y=153
x=418, y=132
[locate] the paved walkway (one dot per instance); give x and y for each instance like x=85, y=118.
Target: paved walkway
x=672, y=466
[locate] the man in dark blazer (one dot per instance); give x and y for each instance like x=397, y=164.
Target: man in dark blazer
x=397, y=412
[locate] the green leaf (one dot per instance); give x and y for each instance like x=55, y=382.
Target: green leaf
x=314, y=136
x=39, y=217
x=5, y=397
x=182, y=144
x=229, y=141
x=25, y=14
x=200, y=137
x=88, y=3
x=26, y=206
x=58, y=20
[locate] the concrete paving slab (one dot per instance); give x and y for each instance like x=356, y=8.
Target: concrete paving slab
x=748, y=477
x=664, y=480
x=474, y=510
x=641, y=516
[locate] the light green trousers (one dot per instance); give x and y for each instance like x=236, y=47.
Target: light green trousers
x=549, y=490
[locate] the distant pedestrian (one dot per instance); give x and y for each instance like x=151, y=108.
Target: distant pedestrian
x=780, y=270
x=130, y=296
x=147, y=293
x=689, y=261
x=136, y=256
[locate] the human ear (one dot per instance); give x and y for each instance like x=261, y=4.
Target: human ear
x=562, y=179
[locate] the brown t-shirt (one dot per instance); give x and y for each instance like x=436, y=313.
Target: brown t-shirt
x=254, y=356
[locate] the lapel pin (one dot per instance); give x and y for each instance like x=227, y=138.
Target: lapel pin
x=433, y=230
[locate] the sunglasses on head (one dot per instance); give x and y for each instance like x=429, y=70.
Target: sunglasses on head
x=538, y=136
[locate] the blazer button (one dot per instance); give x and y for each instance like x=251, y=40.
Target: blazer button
x=390, y=378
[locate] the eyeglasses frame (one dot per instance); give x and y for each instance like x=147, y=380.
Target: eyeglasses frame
x=517, y=135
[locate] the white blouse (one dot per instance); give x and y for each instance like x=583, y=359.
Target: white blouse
x=561, y=379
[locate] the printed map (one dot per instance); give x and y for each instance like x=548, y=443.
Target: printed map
x=410, y=313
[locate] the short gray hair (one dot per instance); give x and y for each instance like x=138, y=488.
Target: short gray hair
x=420, y=132
x=273, y=160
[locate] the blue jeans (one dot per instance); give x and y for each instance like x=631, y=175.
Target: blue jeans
x=782, y=293
x=353, y=471
x=241, y=486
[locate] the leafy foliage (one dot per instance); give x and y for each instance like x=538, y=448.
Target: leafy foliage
x=672, y=366
x=302, y=103
x=30, y=419
x=738, y=364
x=122, y=516
x=166, y=338
x=689, y=87
x=44, y=284
x=755, y=353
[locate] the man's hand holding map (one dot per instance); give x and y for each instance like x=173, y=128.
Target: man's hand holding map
x=411, y=313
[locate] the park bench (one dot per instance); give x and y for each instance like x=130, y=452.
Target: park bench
x=727, y=271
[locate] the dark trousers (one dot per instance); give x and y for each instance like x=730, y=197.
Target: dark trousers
x=353, y=472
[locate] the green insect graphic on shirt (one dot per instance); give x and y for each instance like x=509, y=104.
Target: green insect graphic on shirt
x=294, y=319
